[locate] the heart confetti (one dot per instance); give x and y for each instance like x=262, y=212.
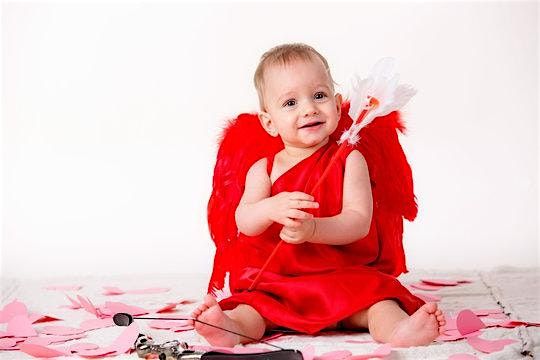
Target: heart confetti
x=467, y=322
x=41, y=351
x=20, y=325
x=488, y=346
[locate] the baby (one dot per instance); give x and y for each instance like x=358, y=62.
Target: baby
x=322, y=278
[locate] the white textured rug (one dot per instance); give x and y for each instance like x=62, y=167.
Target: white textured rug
x=514, y=290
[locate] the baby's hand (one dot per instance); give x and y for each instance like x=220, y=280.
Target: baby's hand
x=298, y=234
x=284, y=208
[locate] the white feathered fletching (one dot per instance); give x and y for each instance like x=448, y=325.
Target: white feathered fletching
x=381, y=85
x=224, y=293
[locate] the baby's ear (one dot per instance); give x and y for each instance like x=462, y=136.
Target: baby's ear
x=267, y=123
x=339, y=102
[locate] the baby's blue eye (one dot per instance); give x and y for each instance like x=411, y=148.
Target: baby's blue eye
x=320, y=95
x=290, y=102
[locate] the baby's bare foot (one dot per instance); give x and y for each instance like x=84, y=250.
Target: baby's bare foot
x=210, y=312
x=421, y=328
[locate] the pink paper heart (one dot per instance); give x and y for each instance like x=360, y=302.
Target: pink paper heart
x=467, y=322
x=334, y=355
x=308, y=352
x=450, y=323
x=167, y=308
x=88, y=306
x=248, y=350
x=509, y=323
x=186, y=301
x=462, y=357
x=118, y=307
x=497, y=316
x=207, y=348
x=426, y=287
x=119, y=346
x=41, y=351
x=7, y=343
x=74, y=304
x=485, y=312
x=182, y=328
x=48, y=340
x=95, y=352
x=61, y=330
x=488, y=346
x=454, y=334
x=441, y=282
x=20, y=325
x=113, y=290
x=380, y=352
x=12, y=309
x=94, y=324
x=168, y=324
x=82, y=347
x=359, y=341
x=126, y=340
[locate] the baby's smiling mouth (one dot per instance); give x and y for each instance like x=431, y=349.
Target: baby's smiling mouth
x=311, y=124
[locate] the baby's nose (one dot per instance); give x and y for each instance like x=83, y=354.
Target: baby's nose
x=310, y=109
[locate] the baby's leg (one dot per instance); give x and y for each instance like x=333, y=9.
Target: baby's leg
x=243, y=319
x=388, y=323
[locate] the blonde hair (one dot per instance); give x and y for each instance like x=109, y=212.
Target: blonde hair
x=282, y=55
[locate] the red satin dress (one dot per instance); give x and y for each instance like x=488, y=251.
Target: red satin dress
x=309, y=287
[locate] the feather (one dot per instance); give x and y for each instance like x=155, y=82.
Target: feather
x=378, y=95
x=225, y=292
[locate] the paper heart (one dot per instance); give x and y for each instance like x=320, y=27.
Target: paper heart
x=380, y=352
x=335, y=355
x=12, y=309
x=489, y=346
x=462, y=357
x=426, y=287
x=467, y=322
x=20, y=325
x=42, y=351
x=442, y=282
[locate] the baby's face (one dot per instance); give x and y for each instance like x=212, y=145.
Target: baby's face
x=300, y=104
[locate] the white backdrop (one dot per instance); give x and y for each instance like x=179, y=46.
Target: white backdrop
x=111, y=115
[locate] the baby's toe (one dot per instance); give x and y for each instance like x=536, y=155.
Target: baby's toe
x=430, y=307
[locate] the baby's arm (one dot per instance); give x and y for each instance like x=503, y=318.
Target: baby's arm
x=257, y=211
x=355, y=218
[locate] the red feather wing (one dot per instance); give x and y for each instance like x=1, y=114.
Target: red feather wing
x=243, y=142
x=392, y=185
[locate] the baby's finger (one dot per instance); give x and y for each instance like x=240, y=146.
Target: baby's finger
x=288, y=222
x=304, y=204
x=294, y=225
x=299, y=214
x=288, y=239
x=298, y=195
x=291, y=231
